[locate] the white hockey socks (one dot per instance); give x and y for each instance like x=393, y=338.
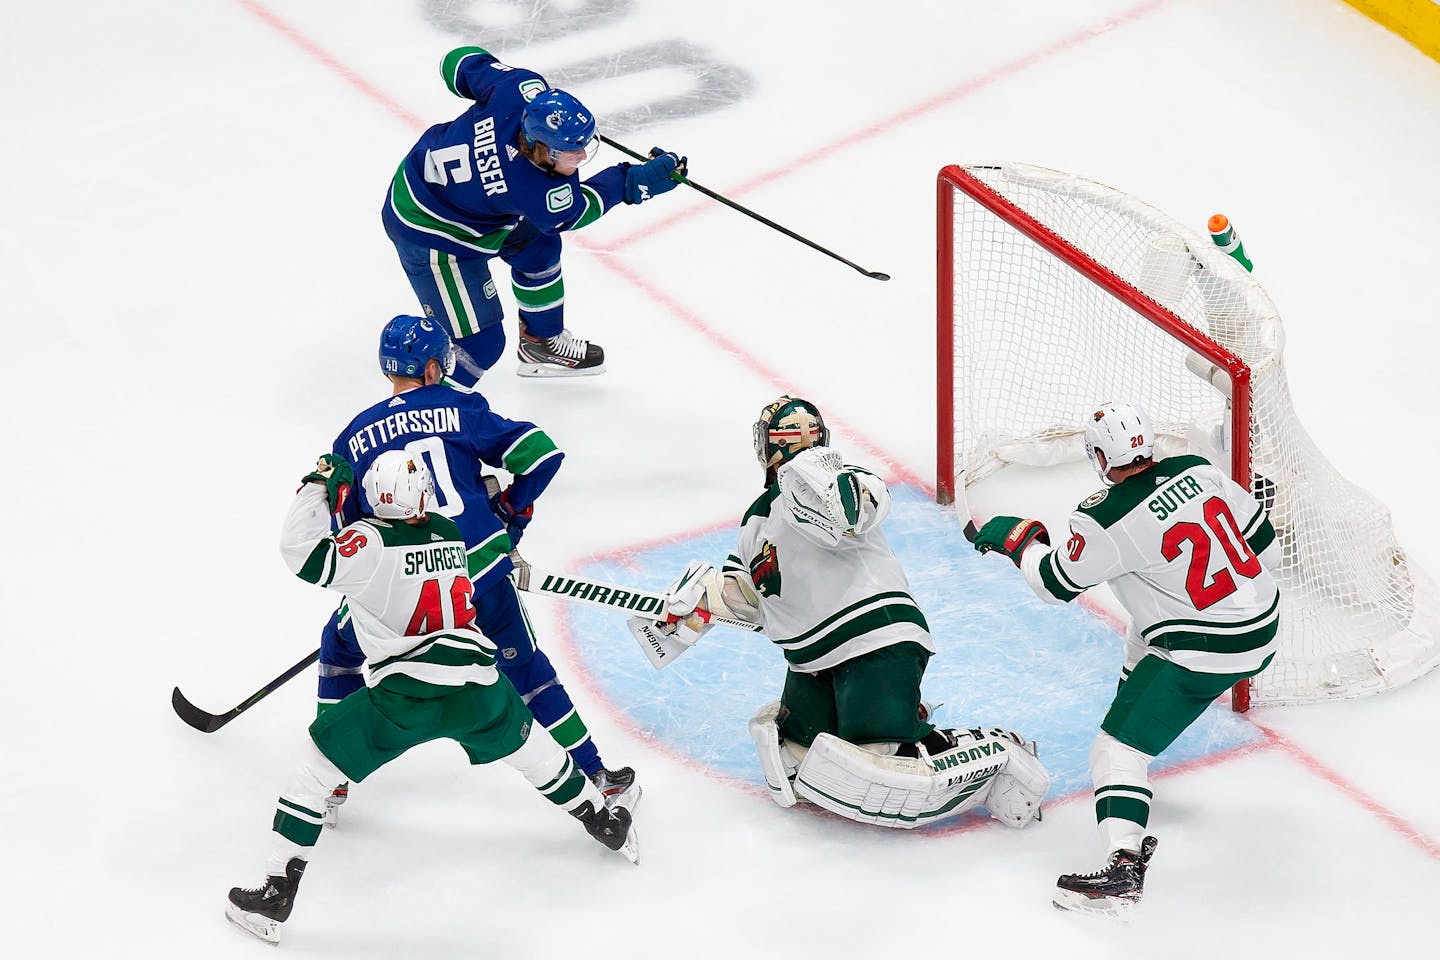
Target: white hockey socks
x=1122, y=792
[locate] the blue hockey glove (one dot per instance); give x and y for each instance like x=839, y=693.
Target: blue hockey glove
x=1010, y=536
x=337, y=476
x=515, y=520
x=660, y=174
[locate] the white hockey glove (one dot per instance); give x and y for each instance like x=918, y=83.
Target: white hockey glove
x=828, y=501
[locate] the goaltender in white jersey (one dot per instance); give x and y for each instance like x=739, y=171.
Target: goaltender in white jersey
x=1188, y=553
x=814, y=570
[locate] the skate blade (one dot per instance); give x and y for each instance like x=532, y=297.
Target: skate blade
x=630, y=849
x=544, y=371
x=262, y=928
x=1111, y=908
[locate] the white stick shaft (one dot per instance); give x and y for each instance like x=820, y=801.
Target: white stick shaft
x=598, y=593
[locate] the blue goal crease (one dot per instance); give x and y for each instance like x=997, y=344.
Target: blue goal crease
x=1005, y=658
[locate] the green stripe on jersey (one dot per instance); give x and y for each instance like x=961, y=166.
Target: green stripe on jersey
x=1055, y=582
x=1129, y=493
x=594, y=208
x=1216, y=636
x=761, y=506
x=413, y=214
x=850, y=623
x=529, y=450
x=1262, y=537
x=445, y=649
x=450, y=65
x=319, y=565
x=487, y=554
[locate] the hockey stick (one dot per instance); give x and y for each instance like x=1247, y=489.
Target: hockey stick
x=598, y=593
x=872, y=274
x=962, y=509
x=660, y=647
x=210, y=722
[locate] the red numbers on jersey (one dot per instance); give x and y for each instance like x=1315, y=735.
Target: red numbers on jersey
x=1220, y=526
x=350, y=542
x=429, y=614
x=1075, y=546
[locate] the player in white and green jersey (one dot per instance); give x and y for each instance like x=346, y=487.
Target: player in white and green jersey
x=1188, y=553
x=430, y=673
x=814, y=569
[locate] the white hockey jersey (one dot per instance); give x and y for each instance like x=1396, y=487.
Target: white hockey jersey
x=823, y=605
x=408, y=587
x=1180, y=544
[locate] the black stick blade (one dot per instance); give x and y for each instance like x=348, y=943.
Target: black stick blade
x=197, y=718
x=971, y=532
x=877, y=275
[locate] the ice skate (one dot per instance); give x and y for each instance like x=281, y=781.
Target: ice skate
x=337, y=796
x=260, y=911
x=1111, y=891
x=558, y=356
x=618, y=787
x=610, y=827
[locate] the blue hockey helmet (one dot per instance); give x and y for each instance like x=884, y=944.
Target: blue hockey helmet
x=561, y=122
x=408, y=343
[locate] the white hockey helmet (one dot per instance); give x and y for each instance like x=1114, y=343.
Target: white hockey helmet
x=1123, y=433
x=398, y=486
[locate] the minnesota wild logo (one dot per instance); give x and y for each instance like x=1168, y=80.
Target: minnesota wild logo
x=765, y=570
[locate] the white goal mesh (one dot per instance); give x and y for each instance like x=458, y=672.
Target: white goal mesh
x=1060, y=293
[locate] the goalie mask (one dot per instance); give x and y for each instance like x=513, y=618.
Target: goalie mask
x=787, y=426
x=1122, y=432
x=397, y=486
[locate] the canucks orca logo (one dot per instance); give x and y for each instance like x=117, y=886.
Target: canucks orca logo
x=765, y=570
x=554, y=120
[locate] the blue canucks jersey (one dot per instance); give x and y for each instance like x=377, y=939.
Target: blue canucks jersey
x=465, y=186
x=456, y=434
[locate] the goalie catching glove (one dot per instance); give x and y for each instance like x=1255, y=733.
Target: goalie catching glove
x=337, y=476
x=1010, y=536
x=829, y=501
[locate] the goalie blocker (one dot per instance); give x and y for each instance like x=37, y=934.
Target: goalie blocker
x=994, y=768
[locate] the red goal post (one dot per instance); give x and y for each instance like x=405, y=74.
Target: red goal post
x=1055, y=293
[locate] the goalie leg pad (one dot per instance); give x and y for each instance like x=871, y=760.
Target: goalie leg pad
x=776, y=762
x=901, y=792
x=1017, y=792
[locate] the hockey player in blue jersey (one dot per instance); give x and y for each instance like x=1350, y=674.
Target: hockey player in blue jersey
x=500, y=180
x=456, y=434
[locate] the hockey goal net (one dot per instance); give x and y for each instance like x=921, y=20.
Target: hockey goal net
x=1057, y=293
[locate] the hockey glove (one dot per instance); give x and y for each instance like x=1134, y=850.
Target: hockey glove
x=515, y=521
x=337, y=476
x=1010, y=536
x=662, y=173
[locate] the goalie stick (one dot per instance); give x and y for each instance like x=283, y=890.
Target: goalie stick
x=598, y=593
x=210, y=722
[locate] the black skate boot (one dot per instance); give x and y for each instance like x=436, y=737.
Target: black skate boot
x=558, y=356
x=610, y=827
x=618, y=787
x=261, y=910
x=1111, y=891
